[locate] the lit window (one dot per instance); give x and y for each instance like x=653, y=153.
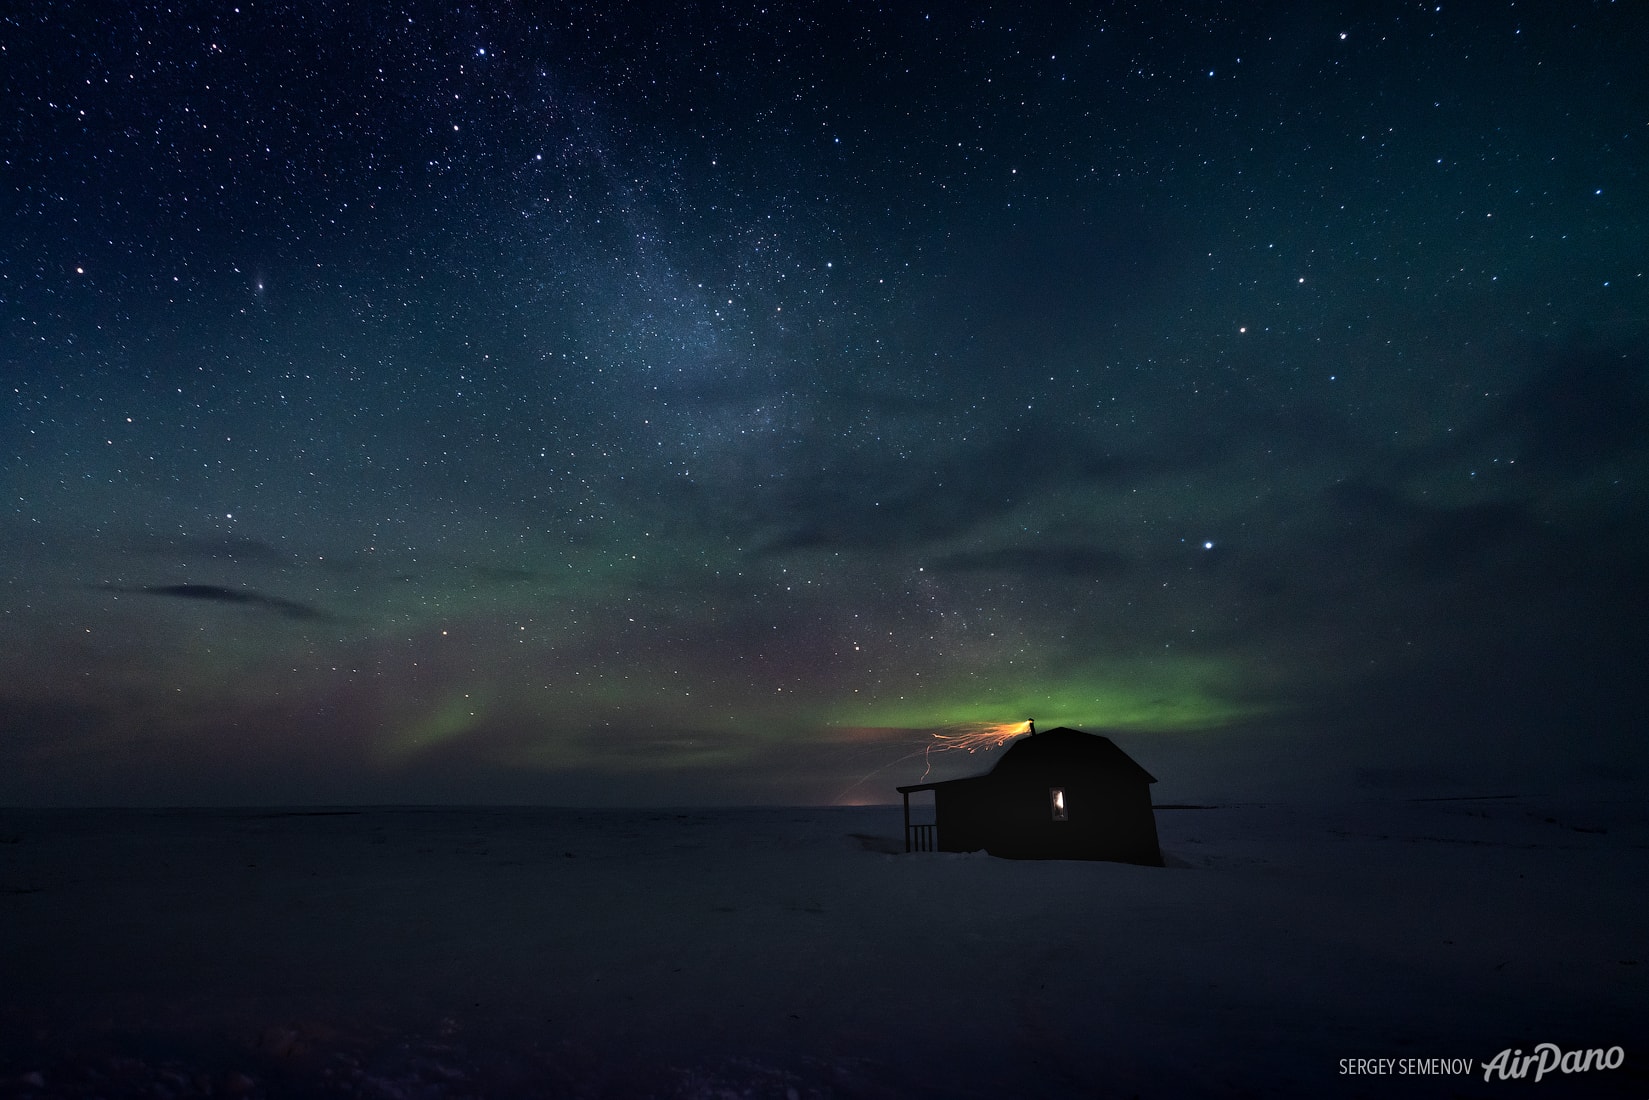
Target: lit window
x=1056, y=797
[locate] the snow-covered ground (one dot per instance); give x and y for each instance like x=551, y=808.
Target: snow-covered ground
x=800, y=952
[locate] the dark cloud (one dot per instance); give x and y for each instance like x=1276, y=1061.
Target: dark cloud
x=1575, y=411
x=501, y=575
x=646, y=742
x=32, y=731
x=1063, y=561
x=1526, y=697
x=242, y=597
x=1448, y=541
x=869, y=505
x=1054, y=278
x=1580, y=410
x=1388, y=531
x=223, y=548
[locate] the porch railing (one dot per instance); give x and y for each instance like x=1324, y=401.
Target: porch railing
x=920, y=838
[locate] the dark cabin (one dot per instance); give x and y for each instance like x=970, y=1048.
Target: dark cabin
x=1061, y=794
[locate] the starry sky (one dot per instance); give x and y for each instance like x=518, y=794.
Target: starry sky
x=706, y=403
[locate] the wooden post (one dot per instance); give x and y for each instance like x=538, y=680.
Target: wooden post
x=907, y=819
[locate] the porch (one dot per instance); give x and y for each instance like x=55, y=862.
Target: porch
x=921, y=836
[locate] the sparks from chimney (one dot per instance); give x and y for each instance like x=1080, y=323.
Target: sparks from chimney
x=973, y=736
x=970, y=736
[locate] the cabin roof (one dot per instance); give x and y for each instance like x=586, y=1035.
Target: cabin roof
x=1066, y=744
x=1062, y=745
x=939, y=783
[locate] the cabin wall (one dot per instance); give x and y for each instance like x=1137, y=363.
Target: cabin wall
x=1106, y=819
x=1009, y=813
x=963, y=813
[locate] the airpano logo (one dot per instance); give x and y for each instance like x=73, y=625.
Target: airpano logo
x=1547, y=1058
x=1510, y=1064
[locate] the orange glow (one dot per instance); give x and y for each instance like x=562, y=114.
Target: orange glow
x=968, y=736
x=974, y=736
x=971, y=737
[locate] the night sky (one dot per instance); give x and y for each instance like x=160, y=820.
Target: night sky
x=706, y=403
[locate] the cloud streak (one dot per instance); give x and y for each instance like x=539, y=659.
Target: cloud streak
x=239, y=597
